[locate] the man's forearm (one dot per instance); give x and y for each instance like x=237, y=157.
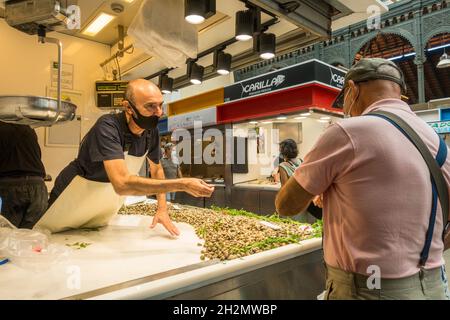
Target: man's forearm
x=158, y=173
x=139, y=186
x=292, y=199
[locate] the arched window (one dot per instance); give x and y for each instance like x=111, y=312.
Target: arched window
x=400, y=51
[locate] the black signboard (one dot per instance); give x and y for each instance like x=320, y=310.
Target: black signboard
x=302, y=73
x=110, y=94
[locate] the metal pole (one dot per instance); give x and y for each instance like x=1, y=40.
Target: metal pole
x=117, y=54
x=43, y=39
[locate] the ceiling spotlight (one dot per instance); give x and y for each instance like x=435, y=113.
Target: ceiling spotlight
x=444, y=61
x=244, y=25
x=266, y=45
x=165, y=84
x=196, y=11
x=195, y=73
x=222, y=62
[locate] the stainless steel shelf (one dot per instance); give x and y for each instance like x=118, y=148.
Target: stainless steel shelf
x=35, y=111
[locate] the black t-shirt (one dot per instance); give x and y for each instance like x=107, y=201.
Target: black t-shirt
x=20, y=154
x=108, y=139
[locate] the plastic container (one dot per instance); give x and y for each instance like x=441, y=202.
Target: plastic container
x=5, y=229
x=30, y=249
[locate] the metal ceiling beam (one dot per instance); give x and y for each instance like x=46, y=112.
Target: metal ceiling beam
x=314, y=16
x=220, y=46
x=345, y=11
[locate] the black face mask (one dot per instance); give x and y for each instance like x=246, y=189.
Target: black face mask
x=144, y=122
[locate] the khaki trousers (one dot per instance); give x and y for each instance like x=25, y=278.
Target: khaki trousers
x=425, y=285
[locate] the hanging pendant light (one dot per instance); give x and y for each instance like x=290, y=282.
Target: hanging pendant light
x=444, y=61
x=244, y=25
x=222, y=62
x=165, y=84
x=266, y=45
x=197, y=11
x=195, y=73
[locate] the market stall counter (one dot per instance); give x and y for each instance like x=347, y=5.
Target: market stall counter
x=127, y=260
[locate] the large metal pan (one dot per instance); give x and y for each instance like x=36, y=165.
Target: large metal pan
x=35, y=111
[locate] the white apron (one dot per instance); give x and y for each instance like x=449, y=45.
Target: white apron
x=85, y=203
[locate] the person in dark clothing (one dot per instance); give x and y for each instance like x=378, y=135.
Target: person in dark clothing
x=22, y=188
x=171, y=169
x=101, y=156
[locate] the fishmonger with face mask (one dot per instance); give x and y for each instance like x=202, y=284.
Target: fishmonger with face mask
x=132, y=133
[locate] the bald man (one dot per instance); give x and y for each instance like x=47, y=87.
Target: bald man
x=101, y=156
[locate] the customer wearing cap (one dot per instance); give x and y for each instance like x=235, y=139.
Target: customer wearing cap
x=377, y=194
x=101, y=157
x=22, y=173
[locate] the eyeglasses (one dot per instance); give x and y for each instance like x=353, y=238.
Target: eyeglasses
x=339, y=101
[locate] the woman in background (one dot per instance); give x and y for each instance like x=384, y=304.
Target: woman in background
x=289, y=154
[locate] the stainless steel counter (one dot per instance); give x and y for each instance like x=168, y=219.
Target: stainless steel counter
x=139, y=263
x=250, y=185
x=290, y=272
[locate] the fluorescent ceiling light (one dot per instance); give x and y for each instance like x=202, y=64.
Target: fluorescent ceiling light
x=253, y=122
x=266, y=122
x=395, y=58
x=300, y=118
x=323, y=121
x=98, y=24
x=282, y=118
x=439, y=47
x=325, y=118
x=306, y=114
x=129, y=1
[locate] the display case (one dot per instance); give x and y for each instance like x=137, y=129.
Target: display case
x=255, y=190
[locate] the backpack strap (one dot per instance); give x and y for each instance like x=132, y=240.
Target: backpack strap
x=439, y=185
